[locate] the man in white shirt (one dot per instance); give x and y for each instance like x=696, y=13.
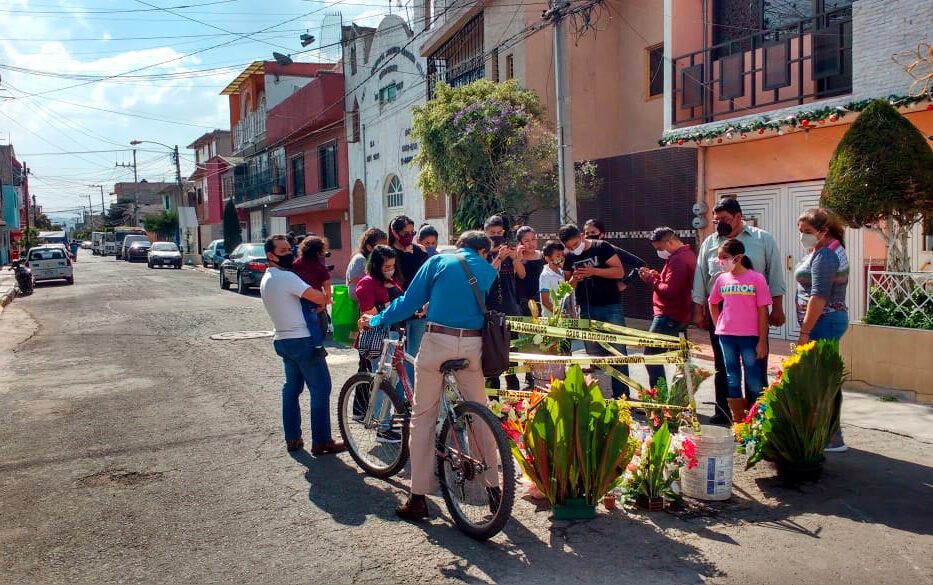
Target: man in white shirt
x=282, y=292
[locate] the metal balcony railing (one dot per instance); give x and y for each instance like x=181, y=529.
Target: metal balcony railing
x=249, y=187
x=802, y=62
x=250, y=128
x=903, y=299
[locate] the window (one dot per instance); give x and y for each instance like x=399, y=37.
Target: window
x=394, y=192
x=332, y=235
x=435, y=206
x=509, y=67
x=298, y=175
x=494, y=65
x=200, y=196
x=353, y=123
x=353, y=59
x=654, y=73
x=388, y=93
x=327, y=155
x=297, y=228
x=359, y=203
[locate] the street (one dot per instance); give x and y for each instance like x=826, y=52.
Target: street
x=135, y=449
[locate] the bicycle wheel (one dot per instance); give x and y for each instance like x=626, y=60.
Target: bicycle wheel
x=466, y=471
x=381, y=446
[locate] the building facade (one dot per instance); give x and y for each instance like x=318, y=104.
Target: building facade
x=309, y=126
x=765, y=96
x=259, y=180
x=385, y=79
x=213, y=157
x=14, y=196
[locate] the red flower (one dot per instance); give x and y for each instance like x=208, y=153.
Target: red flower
x=667, y=415
x=753, y=412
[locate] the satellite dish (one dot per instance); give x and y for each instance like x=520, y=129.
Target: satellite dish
x=282, y=59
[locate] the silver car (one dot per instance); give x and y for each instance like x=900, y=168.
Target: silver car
x=164, y=254
x=50, y=263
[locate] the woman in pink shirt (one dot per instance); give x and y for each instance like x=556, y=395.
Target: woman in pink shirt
x=741, y=324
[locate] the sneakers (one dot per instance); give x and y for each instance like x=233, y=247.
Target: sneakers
x=836, y=445
x=388, y=436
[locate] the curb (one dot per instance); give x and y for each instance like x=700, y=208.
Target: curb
x=7, y=297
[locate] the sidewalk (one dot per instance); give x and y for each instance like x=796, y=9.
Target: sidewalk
x=7, y=287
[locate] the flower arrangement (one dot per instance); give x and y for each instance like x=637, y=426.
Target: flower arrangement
x=539, y=343
x=575, y=445
x=654, y=468
x=675, y=394
x=797, y=414
x=514, y=413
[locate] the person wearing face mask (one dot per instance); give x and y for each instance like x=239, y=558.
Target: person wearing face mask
x=593, y=268
x=454, y=331
x=427, y=238
x=822, y=277
x=411, y=257
x=503, y=296
x=282, y=291
x=741, y=323
x=670, y=290
x=356, y=269
x=309, y=267
x=762, y=251
x=594, y=229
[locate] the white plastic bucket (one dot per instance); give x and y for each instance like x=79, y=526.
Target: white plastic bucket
x=711, y=479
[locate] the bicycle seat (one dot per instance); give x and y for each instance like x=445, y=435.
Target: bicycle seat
x=454, y=365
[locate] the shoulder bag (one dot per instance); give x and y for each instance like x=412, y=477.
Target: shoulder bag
x=496, y=335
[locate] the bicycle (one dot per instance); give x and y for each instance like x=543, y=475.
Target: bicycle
x=374, y=419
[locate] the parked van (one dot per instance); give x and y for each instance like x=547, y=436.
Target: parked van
x=114, y=241
x=50, y=263
x=97, y=243
x=127, y=242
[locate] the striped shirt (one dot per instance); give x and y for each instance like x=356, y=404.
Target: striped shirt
x=823, y=273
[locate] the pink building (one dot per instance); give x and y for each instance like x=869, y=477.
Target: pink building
x=212, y=159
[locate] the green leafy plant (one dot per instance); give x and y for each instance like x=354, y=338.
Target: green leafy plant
x=914, y=314
x=657, y=462
x=163, y=224
x=881, y=178
x=797, y=415
x=576, y=444
x=540, y=343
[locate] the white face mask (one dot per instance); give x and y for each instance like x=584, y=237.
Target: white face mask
x=809, y=241
x=664, y=254
x=727, y=264
x=580, y=247
x=388, y=273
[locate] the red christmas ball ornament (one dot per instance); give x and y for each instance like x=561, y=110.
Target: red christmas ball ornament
x=833, y=118
x=761, y=130
x=680, y=142
x=929, y=106
x=719, y=140
x=805, y=122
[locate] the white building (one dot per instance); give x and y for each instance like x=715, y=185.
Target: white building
x=385, y=79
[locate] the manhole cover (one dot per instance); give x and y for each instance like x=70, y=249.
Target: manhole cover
x=237, y=335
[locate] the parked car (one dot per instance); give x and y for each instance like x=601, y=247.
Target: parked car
x=138, y=251
x=127, y=242
x=245, y=266
x=213, y=255
x=86, y=244
x=50, y=263
x=164, y=254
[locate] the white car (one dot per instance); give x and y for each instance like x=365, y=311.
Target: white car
x=50, y=263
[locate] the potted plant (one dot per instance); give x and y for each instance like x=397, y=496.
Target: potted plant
x=795, y=417
x=650, y=476
x=676, y=395
x=544, y=344
x=575, y=445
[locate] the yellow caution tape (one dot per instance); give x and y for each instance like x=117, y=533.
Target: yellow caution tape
x=592, y=330
x=673, y=358
x=525, y=395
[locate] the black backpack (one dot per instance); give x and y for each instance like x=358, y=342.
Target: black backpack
x=496, y=335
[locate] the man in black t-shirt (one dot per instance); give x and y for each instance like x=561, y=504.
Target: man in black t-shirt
x=593, y=267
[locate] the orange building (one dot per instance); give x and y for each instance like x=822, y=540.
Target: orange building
x=765, y=96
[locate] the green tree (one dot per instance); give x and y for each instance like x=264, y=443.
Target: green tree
x=881, y=178
x=163, y=225
x=487, y=143
x=232, y=235
x=43, y=222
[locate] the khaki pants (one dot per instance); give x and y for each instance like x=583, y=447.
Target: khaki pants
x=436, y=348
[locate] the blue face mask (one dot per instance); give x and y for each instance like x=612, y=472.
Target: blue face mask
x=431, y=250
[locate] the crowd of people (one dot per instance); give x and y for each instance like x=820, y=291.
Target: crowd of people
x=733, y=286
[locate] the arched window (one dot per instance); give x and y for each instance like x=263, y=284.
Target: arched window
x=394, y=193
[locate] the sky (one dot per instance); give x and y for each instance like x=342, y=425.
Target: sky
x=80, y=79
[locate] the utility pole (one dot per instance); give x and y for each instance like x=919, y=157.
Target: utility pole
x=103, y=209
x=181, y=196
x=135, y=188
x=565, y=168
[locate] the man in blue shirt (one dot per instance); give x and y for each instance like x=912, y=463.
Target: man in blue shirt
x=453, y=331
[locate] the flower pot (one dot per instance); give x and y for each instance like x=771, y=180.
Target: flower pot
x=797, y=472
x=650, y=504
x=609, y=501
x=574, y=509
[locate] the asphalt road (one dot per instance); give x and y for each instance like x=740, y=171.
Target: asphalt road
x=134, y=449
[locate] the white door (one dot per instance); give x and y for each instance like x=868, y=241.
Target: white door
x=775, y=208
x=255, y=226
x=279, y=225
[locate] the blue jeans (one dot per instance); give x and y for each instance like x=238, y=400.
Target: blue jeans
x=830, y=326
x=304, y=365
x=666, y=326
x=734, y=348
x=609, y=314
x=312, y=321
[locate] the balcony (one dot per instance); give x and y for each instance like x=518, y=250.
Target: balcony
x=251, y=129
x=801, y=62
x=263, y=187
